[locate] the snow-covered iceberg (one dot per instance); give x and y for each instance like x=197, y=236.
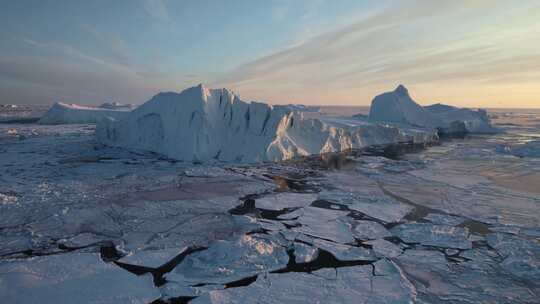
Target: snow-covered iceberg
x=398, y=107
x=63, y=113
x=116, y=106
x=201, y=124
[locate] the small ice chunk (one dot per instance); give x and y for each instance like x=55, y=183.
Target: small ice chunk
x=305, y=253
x=8, y=199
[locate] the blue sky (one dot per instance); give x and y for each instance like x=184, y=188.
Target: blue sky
x=475, y=53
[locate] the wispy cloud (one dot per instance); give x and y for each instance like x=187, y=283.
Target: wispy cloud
x=117, y=48
x=63, y=72
x=419, y=43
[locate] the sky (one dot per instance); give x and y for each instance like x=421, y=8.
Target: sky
x=471, y=53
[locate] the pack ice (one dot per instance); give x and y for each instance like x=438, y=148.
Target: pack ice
x=63, y=113
x=201, y=124
x=398, y=107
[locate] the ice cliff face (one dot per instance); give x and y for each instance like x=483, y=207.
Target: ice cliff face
x=201, y=124
x=398, y=107
x=63, y=113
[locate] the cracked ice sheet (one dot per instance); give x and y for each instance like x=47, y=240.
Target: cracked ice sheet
x=521, y=256
x=486, y=203
x=281, y=201
x=433, y=235
x=381, y=283
x=228, y=261
x=74, y=278
x=477, y=281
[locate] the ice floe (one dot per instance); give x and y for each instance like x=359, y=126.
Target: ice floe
x=74, y=277
x=369, y=230
x=382, y=283
x=326, y=224
x=228, y=261
x=281, y=201
x=433, y=235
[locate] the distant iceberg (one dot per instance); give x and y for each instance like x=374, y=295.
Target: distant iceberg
x=201, y=124
x=528, y=149
x=63, y=113
x=398, y=107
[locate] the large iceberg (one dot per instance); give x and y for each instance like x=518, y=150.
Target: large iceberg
x=63, y=113
x=201, y=124
x=398, y=107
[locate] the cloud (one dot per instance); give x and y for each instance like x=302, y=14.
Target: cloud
x=422, y=43
x=117, y=48
x=65, y=73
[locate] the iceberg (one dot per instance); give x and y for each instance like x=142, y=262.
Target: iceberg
x=529, y=149
x=398, y=107
x=63, y=113
x=201, y=124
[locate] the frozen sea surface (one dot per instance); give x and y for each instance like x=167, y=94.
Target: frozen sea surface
x=458, y=222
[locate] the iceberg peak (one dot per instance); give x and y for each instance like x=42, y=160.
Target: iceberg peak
x=402, y=90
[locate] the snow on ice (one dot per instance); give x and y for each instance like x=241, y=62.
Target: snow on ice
x=63, y=113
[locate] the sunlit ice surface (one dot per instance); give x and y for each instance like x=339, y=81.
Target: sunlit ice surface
x=455, y=222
